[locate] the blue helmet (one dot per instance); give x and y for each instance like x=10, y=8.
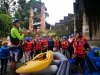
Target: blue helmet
x=44, y=36
x=27, y=39
x=80, y=33
x=31, y=38
x=72, y=35
x=64, y=37
x=40, y=38
x=15, y=20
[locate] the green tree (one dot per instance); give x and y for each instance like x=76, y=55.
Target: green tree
x=5, y=24
x=5, y=6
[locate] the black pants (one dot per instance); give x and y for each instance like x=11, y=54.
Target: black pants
x=79, y=60
x=50, y=48
x=37, y=52
x=4, y=63
x=71, y=51
x=20, y=48
x=45, y=50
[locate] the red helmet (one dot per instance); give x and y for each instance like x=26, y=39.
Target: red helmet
x=4, y=43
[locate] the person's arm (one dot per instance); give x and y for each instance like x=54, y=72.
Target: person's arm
x=17, y=34
x=87, y=47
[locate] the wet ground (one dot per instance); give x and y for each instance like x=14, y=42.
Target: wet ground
x=8, y=67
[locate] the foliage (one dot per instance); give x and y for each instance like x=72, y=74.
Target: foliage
x=5, y=6
x=5, y=24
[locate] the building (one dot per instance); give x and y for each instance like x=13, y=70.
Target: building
x=86, y=18
x=66, y=24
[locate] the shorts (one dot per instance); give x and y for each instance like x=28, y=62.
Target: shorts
x=15, y=55
x=79, y=60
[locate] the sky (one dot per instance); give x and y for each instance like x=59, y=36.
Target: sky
x=57, y=9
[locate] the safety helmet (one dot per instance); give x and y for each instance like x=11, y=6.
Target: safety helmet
x=40, y=38
x=64, y=37
x=27, y=39
x=72, y=35
x=4, y=43
x=44, y=36
x=15, y=20
x=57, y=37
x=31, y=38
x=80, y=33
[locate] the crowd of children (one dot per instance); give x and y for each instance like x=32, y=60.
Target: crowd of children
x=75, y=46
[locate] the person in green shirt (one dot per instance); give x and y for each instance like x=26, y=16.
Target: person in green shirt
x=16, y=49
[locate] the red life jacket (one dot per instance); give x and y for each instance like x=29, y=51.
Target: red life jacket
x=45, y=42
x=28, y=47
x=75, y=43
x=56, y=43
x=64, y=46
x=78, y=51
x=84, y=39
x=38, y=45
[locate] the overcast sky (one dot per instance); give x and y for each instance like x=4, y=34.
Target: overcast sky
x=57, y=9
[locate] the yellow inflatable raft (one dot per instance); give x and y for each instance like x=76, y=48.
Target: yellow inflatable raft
x=38, y=63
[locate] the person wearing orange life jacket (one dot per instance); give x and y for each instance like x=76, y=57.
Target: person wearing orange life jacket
x=45, y=43
x=79, y=53
x=32, y=51
x=83, y=37
x=64, y=45
x=28, y=47
x=38, y=46
x=57, y=44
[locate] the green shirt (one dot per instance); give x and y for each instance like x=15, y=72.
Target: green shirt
x=15, y=33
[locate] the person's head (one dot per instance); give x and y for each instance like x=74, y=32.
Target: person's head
x=72, y=35
x=79, y=38
x=39, y=39
x=56, y=38
x=5, y=43
x=50, y=37
x=36, y=36
x=80, y=33
x=76, y=35
x=54, y=49
x=44, y=37
x=64, y=38
x=27, y=39
x=16, y=23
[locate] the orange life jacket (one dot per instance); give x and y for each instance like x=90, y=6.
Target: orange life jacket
x=45, y=42
x=56, y=43
x=75, y=43
x=28, y=46
x=79, y=52
x=38, y=45
x=64, y=46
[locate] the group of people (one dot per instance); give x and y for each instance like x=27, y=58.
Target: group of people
x=75, y=46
